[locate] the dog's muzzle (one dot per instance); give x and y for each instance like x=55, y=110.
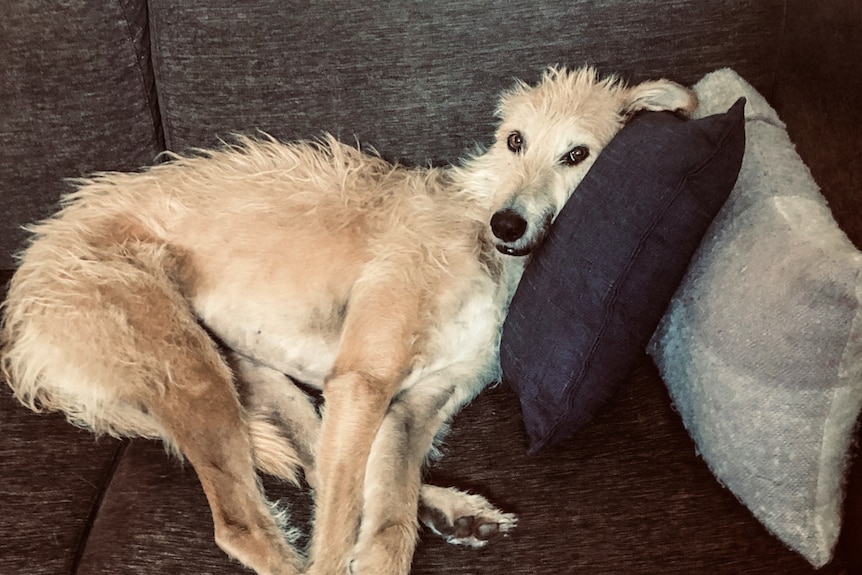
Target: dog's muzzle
x=509, y=226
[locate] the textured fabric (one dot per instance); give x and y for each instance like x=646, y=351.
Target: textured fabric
x=51, y=479
x=595, y=290
x=762, y=347
x=627, y=497
x=419, y=80
x=154, y=519
x=75, y=96
x=630, y=497
x=825, y=126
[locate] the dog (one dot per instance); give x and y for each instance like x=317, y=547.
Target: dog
x=184, y=302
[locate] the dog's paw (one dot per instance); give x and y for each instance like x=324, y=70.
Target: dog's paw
x=463, y=518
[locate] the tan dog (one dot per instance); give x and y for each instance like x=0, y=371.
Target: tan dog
x=383, y=286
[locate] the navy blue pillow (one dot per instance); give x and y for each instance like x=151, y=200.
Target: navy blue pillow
x=596, y=289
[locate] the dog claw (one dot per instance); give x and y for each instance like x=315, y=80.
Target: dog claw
x=475, y=531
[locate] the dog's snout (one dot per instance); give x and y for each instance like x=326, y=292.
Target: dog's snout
x=508, y=225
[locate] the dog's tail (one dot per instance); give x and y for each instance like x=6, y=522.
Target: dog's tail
x=273, y=452
x=282, y=420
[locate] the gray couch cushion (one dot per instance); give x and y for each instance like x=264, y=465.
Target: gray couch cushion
x=75, y=96
x=154, y=519
x=419, y=80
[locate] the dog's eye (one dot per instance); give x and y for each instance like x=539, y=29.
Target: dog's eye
x=515, y=142
x=576, y=155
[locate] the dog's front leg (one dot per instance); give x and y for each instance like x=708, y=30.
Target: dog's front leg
x=388, y=533
x=376, y=351
x=353, y=412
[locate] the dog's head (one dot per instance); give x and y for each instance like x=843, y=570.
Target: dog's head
x=548, y=137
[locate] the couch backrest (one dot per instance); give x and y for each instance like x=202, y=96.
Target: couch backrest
x=416, y=79
x=95, y=84
x=74, y=98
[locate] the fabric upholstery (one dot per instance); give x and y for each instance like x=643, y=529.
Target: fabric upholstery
x=629, y=496
x=72, y=86
x=46, y=514
x=613, y=498
x=417, y=80
x=149, y=489
x=817, y=93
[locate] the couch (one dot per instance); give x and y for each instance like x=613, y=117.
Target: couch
x=88, y=85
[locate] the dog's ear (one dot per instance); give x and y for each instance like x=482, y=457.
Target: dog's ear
x=659, y=96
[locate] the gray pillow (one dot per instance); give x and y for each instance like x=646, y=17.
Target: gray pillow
x=761, y=347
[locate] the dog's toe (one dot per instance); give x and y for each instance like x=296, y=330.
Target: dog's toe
x=464, y=526
x=466, y=519
x=486, y=531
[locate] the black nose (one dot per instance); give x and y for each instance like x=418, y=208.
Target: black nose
x=508, y=225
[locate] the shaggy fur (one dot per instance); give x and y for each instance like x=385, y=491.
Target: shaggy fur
x=382, y=286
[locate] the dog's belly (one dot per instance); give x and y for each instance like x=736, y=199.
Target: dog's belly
x=279, y=295
x=298, y=347
x=303, y=356
x=305, y=345
x=288, y=321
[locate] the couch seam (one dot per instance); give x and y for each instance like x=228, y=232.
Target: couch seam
x=780, y=53
x=83, y=540
x=155, y=65
x=142, y=58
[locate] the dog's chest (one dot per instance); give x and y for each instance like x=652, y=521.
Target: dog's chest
x=464, y=345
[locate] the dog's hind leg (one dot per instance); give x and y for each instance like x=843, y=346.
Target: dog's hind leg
x=111, y=335
x=204, y=420
x=462, y=518
x=201, y=414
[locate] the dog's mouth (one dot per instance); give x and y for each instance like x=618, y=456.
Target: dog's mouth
x=513, y=251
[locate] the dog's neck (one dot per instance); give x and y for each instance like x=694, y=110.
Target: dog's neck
x=506, y=270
